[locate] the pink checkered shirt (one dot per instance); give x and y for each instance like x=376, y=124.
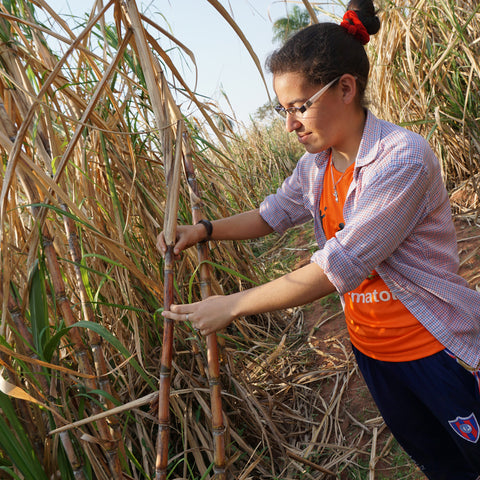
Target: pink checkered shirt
x=397, y=221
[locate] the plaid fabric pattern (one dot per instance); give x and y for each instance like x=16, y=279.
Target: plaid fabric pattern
x=398, y=222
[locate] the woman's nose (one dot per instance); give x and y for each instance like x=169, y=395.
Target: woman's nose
x=292, y=123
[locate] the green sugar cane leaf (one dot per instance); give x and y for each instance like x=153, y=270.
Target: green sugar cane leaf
x=10, y=472
x=157, y=314
x=124, y=307
x=106, y=275
x=62, y=213
x=102, y=282
x=111, y=183
x=38, y=307
x=106, y=335
x=86, y=279
x=104, y=258
x=65, y=467
x=117, y=204
x=84, y=269
x=207, y=473
x=219, y=267
x=16, y=444
x=52, y=345
x=54, y=342
x=110, y=338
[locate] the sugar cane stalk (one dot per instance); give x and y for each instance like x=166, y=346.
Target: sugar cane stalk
x=218, y=428
x=163, y=108
x=81, y=350
x=172, y=177
x=110, y=430
x=20, y=321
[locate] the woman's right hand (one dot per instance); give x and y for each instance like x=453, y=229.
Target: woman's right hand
x=187, y=235
x=243, y=226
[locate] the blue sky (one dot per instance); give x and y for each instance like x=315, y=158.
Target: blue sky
x=224, y=65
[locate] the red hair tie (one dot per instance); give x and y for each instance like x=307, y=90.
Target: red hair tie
x=355, y=27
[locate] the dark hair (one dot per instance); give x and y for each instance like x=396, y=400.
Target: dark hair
x=324, y=51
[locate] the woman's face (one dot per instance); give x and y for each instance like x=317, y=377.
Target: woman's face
x=323, y=124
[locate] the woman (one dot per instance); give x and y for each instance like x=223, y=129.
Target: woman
x=386, y=244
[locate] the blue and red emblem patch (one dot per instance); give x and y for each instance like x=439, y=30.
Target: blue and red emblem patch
x=466, y=427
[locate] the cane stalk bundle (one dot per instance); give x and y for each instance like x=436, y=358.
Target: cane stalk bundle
x=79, y=174
x=171, y=210
x=213, y=358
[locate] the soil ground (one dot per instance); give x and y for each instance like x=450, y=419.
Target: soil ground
x=389, y=459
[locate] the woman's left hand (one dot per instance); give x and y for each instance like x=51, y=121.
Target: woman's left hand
x=207, y=316
x=299, y=287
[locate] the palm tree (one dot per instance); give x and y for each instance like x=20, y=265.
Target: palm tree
x=283, y=28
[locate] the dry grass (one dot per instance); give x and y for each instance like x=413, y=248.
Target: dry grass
x=426, y=75
x=87, y=140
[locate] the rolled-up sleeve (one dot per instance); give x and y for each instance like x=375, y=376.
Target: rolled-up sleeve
x=291, y=205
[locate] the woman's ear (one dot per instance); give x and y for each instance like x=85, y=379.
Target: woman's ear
x=348, y=85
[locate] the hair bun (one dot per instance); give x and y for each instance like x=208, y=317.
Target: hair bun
x=366, y=13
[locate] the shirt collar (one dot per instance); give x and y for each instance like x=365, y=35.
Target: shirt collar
x=367, y=151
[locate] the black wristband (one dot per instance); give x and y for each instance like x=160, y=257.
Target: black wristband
x=208, y=227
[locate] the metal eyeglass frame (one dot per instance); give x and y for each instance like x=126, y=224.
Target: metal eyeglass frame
x=296, y=110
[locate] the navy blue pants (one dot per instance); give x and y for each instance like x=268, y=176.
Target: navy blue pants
x=432, y=407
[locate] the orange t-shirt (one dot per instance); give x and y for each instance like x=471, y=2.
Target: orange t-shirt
x=379, y=325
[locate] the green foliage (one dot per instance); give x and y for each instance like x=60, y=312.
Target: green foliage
x=15, y=442
x=38, y=308
x=285, y=27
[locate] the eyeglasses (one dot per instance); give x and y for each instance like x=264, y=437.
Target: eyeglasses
x=301, y=110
